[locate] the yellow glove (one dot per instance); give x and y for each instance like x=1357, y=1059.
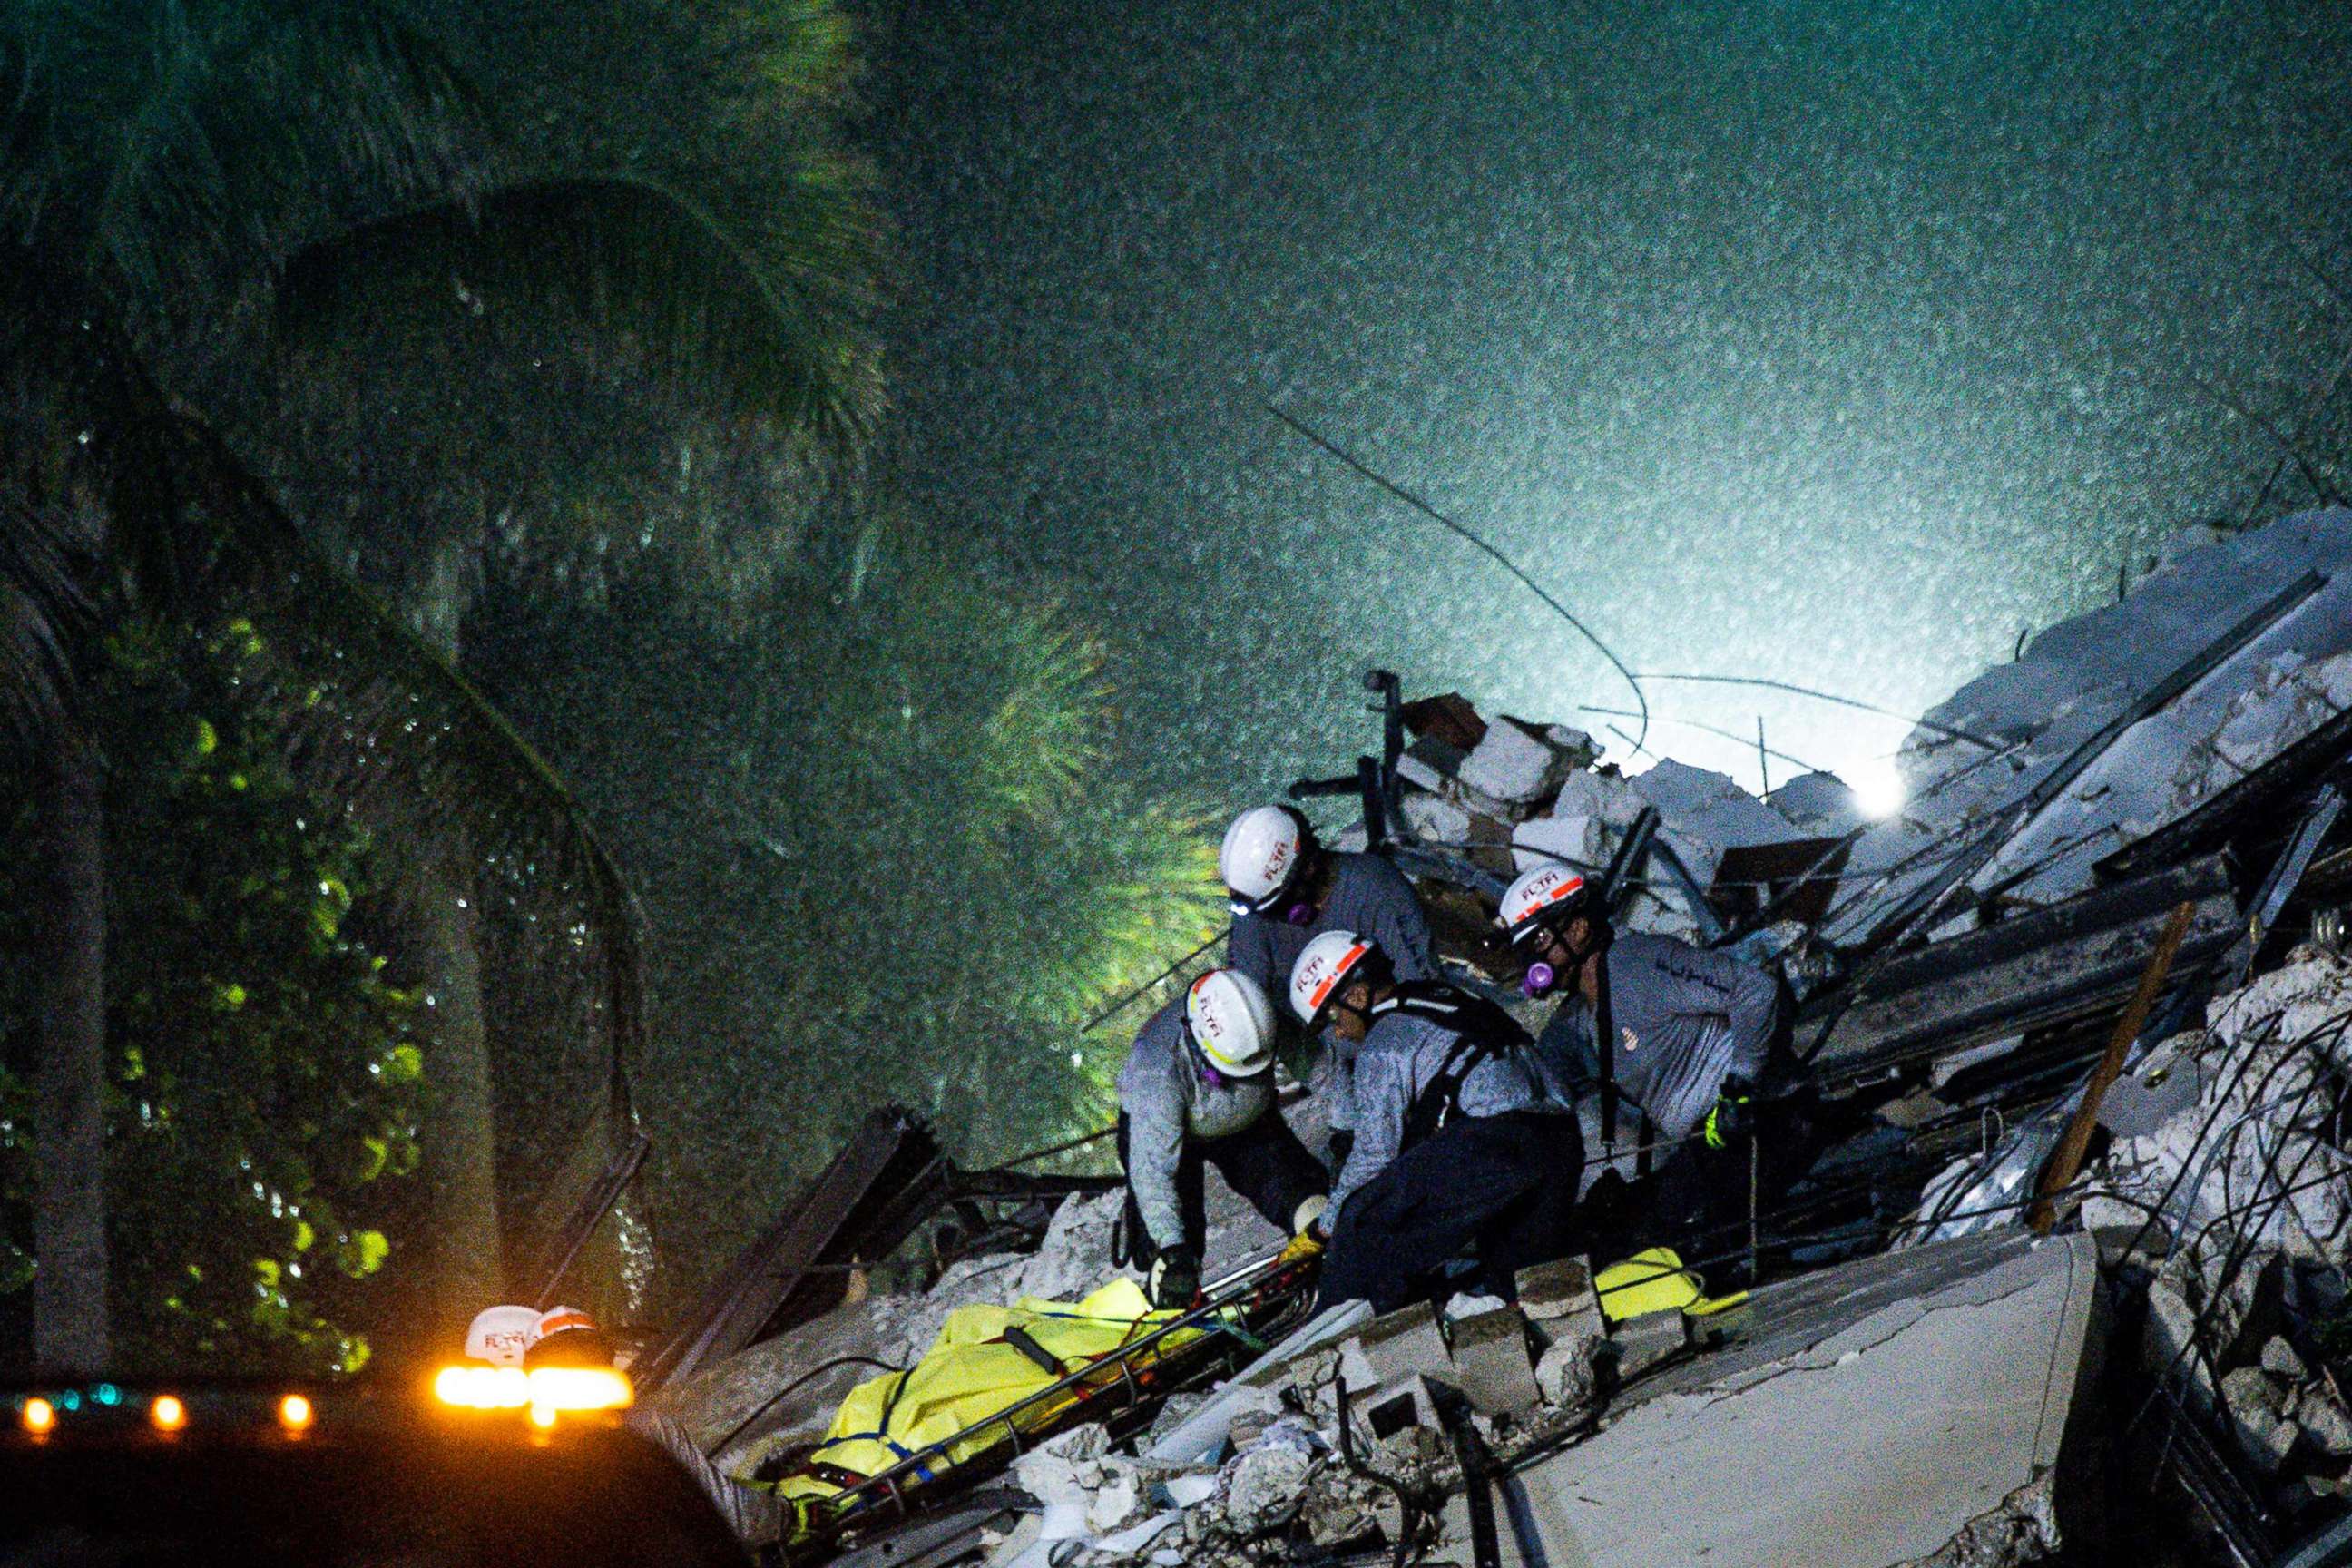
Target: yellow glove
x=1308, y=1227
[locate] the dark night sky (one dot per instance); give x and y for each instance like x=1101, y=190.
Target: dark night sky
x=1834, y=342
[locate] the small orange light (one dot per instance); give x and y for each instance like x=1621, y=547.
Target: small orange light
x=294, y=1414
x=40, y=1417
x=542, y=1417
x=167, y=1413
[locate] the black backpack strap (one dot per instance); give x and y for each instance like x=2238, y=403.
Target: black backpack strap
x=1440, y=1097
x=1485, y=1030
x=1463, y=1012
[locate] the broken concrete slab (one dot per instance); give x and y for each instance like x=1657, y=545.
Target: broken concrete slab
x=1865, y=1415
x=1264, y=1487
x=2035, y=969
x=2264, y=1432
x=2234, y=651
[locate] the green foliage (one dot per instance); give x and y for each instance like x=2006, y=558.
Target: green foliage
x=888, y=853
x=265, y=1071
x=172, y=150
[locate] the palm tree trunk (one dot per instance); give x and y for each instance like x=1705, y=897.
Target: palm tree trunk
x=460, y=1134
x=461, y=1131
x=70, y=1304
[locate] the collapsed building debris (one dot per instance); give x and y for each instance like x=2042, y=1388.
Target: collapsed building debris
x=1911, y=1380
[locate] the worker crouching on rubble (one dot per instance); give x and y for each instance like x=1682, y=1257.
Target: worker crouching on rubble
x=1696, y=1048
x=1286, y=889
x=1456, y=1143
x=1197, y=1090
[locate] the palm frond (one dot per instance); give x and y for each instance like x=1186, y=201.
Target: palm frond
x=374, y=720
x=408, y=742
x=44, y=611
x=633, y=258
x=173, y=154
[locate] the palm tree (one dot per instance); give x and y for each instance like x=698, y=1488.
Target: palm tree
x=167, y=163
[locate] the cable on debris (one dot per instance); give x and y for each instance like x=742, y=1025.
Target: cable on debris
x=1632, y=680
x=1917, y=721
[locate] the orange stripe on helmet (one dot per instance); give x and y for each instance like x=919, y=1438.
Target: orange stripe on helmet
x=557, y=1322
x=1322, y=992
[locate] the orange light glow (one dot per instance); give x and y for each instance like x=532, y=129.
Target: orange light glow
x=40, y=1417
x=294, y=1414
x=167, y=1413
x=548, y=1389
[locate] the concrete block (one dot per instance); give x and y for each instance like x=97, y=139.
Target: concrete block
x=1393, y=1407
x=1879, y=1409
x=1430, y=763
x=1643, y=1343
x=1433, y=819
x=1550, y=841
x=1402, y=1344
x=1560, y=1289
x=1492, y=1365
x=1512, y=764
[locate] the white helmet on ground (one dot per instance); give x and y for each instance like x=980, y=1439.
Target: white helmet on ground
x=1260, y=857
x=1231, y=1021
x=1539, y=896
x=500, y=1335
x=1322, y=968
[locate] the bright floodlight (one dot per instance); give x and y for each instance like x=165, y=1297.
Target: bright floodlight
x=1878, y=790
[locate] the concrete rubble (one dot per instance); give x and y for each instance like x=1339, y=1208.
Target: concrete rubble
x=1790, y=1431
x=1915, y=1390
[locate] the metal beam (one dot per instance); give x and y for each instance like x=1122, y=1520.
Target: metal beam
x=891, y=1142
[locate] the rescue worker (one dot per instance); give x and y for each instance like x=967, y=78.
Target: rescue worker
x=1198, y=1090
x=500, y=1335
x=1457, y=1143
x=1285, y=888
x=1688, y=1049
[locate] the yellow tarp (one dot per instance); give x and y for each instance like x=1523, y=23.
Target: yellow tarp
x=972, y=1373
x=1651, y=1281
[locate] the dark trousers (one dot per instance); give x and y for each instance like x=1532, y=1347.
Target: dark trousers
x=1698, y=1202
x=1504, y=1185
x=1264, y=1163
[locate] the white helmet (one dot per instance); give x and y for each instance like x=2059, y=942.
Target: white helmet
x=1544, y=892
x=1259, y=858
x=500, y=1335
x=1322, y=968
x=1232, y=1022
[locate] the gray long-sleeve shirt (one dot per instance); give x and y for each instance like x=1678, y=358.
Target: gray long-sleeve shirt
x=1687, y=1020
x=1369, y=897
x=1402, y=1056
x=1167, y=1099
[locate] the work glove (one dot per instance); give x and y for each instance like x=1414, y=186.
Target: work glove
x=1306, y=1225
x=1733, y=1120
x=1175, y=1278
